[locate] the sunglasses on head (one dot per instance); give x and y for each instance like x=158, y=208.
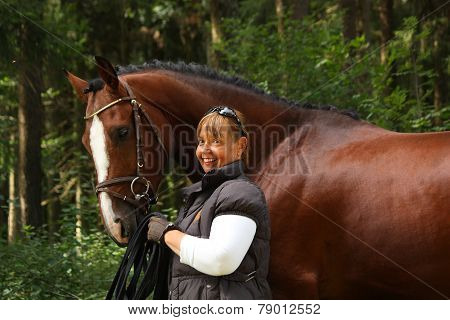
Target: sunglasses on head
x=230, y=113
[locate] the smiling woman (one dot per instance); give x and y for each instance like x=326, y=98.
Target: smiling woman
x=221, y=138
x=221, y=237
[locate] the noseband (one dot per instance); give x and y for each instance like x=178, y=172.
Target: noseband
x=148, y=196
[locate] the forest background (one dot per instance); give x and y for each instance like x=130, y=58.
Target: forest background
x=386, y=59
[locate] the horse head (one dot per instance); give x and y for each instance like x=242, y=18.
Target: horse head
x=124, y=142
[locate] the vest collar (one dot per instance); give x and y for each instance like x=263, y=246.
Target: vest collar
x=216, y=177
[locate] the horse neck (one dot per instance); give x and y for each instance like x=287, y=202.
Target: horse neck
x=187, y=98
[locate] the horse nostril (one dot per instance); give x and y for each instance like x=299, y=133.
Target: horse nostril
x=124, y=231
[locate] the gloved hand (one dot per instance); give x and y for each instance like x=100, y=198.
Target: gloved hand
x=158, y=226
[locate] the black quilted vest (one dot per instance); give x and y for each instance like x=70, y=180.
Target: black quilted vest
x=225, y=190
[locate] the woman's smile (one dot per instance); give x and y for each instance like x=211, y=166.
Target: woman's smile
x=209, y=161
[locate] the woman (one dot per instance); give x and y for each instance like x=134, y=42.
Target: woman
x=221, y=236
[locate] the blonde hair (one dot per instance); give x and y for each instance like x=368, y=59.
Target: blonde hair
x=216, y=126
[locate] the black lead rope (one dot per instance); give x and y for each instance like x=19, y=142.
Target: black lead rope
x=150, y=263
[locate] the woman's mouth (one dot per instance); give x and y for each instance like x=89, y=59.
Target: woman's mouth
x=209, y=161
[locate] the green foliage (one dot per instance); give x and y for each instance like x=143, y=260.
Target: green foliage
x=311, y=62
x=57, y=266
x=35, y=269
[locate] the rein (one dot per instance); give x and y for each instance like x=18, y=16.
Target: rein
x=147, y=257
x=148, y=195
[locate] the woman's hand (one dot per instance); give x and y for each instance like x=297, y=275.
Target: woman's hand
x=157, y=226
x=159, y=229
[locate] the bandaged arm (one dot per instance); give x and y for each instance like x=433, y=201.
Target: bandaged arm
x=230, y=238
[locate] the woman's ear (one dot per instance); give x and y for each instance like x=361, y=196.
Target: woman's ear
x=242, y=144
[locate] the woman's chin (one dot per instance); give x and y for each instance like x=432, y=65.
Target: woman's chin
x=209, y=166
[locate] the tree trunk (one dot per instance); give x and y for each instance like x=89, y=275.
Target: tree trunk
x=30, y=126
x=440, y=47
x=79, y=221
x=279, y=10
x=4, y=187
x=415, y=78
x=13, y=213
x=53, y=209
x=300, y=9
x=366, y=19
x=349, y=20
x=216, y=33
x=385, y=10
x=13, y=216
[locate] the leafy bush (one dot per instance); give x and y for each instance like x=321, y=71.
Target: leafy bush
x=311, y=62
x=35, y=269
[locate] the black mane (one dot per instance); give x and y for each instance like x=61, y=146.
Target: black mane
x=94, y=86
x=202, y=71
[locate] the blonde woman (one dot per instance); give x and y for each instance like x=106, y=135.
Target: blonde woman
x=220, y=240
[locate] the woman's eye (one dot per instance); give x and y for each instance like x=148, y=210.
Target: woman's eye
x=122, y=133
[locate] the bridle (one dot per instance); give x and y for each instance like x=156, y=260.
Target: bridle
x=148, y=196
x=148, y=257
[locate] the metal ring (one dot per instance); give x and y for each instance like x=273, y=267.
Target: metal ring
x=147, y=186
x=135, y=103
x=140, y=164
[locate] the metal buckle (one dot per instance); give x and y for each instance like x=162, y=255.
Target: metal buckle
x=138, y=196
x=251, y=276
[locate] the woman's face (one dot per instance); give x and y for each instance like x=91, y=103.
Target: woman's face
x=215, y=153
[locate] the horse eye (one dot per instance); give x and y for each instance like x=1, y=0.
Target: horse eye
x=122, y=133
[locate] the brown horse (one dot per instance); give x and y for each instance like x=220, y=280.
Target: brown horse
x=357, y=211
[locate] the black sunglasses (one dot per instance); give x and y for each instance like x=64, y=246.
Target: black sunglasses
x=230, y=113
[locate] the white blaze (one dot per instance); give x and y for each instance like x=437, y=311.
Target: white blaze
x=99, y=153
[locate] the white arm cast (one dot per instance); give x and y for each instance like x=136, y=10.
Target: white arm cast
x=231, y=236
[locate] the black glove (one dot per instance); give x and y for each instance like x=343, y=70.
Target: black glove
x=157, y=227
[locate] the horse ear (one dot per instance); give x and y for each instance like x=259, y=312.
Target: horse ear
x=107, y=72
x=78, y=84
